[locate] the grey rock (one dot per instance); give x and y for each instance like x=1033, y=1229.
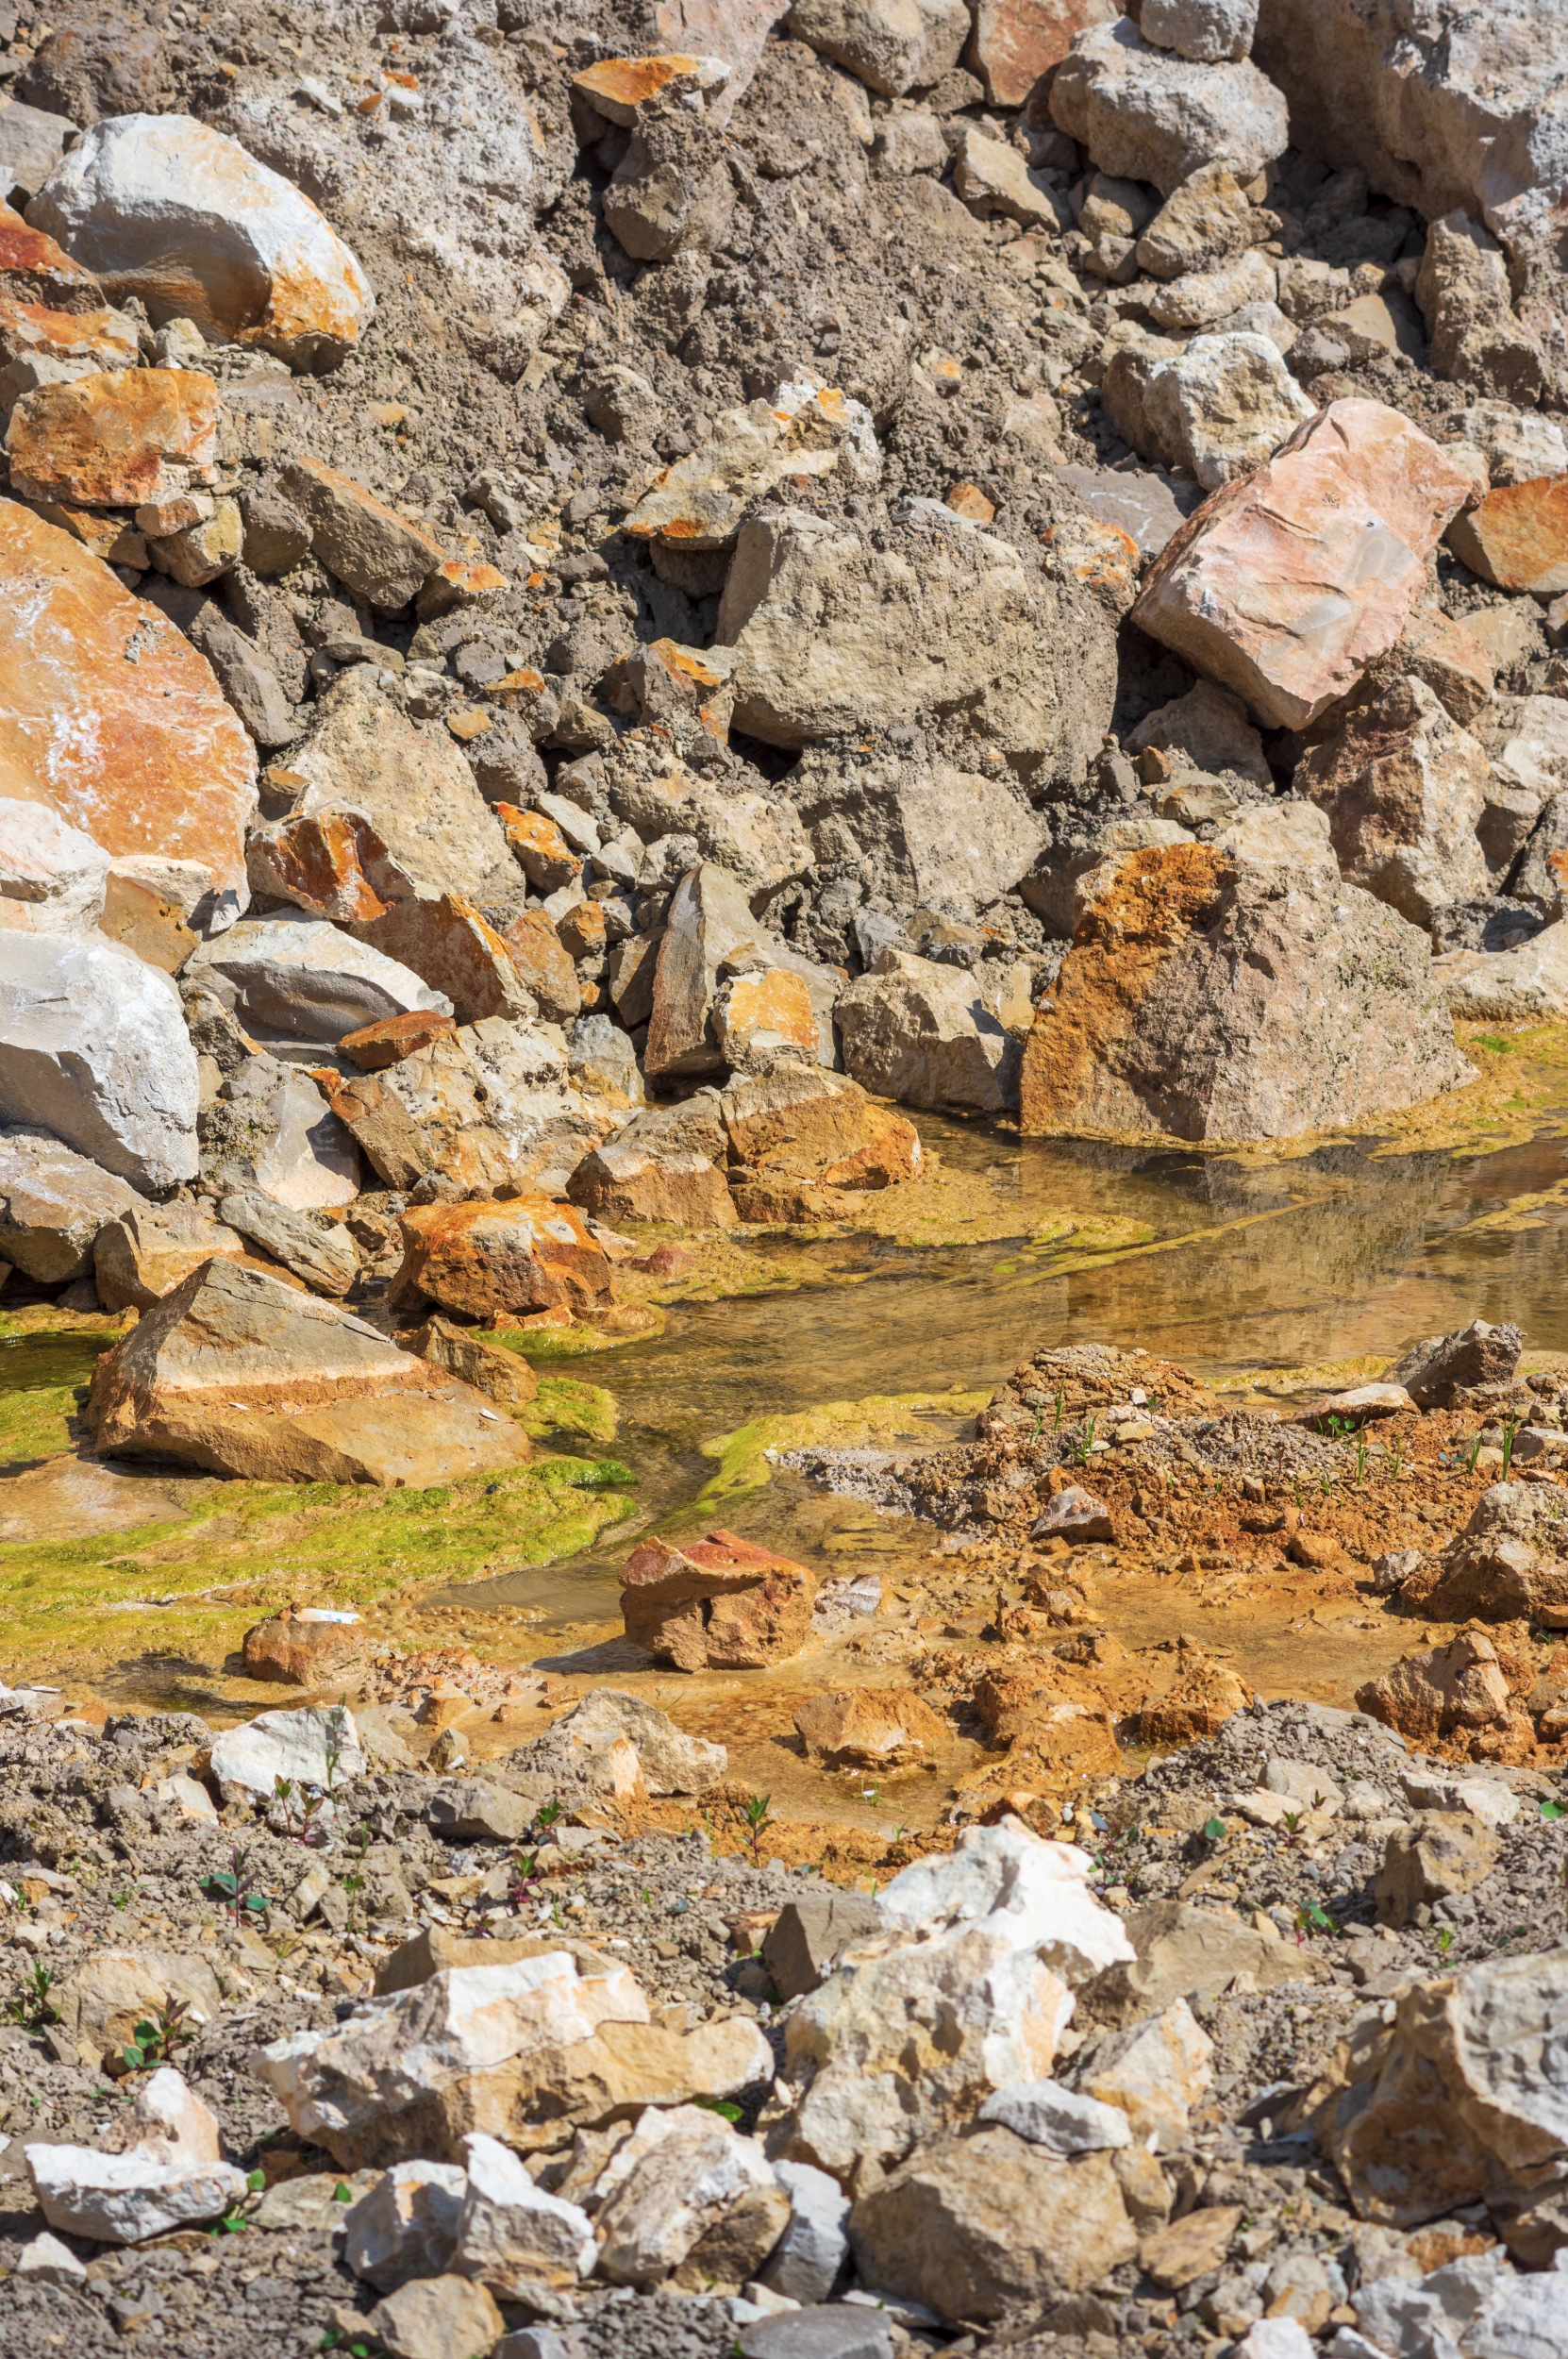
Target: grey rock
x=1147, y=115
x=1048, y=2115
x=1434, y=1371
x=926, y=834
x=809, y=2257
x=296, y=977
x=807, y=1935
x=320, y=1251
x=247, y=680
x=53, y=1202
x=892, y=48
x=93, y=1047
x=1208, y=30
x=272, y=1130
x=32, y=141
x=469, y=1810
x=840, y=2330
x=1151, y=508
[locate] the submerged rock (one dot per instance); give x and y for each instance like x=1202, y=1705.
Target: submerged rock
x=721, y=1602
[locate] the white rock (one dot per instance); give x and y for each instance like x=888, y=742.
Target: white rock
x=1275, y=2338
x=171, y=2177
x=680, y=2174
x=47, y=2262
x=1048, y=2115
x=1201, y=297
x=805, y=2262
x=93, y=1047
x=191, y=1798
x=1281, y=835
x=1156, y=2072
x=1303, y=1782
x=1523, y=986
x=527, y=2246
x=1486, y=1799
x=1034, y=1895
x=294, y=1745
x=51, y=876
x=1225, y=404
x=1404, y=2314
x=1520, y=445
x=1145, y=114
x=302, y=977
x=164, y=207
x=1211, y=31
x=405, y=2225
x=890, y=46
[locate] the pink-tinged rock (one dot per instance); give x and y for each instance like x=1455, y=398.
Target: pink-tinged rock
x=1288, y=583
x=1015, y=42
x=1517, y=538
x=33, y=269
x=109, y=716
x=123, y=438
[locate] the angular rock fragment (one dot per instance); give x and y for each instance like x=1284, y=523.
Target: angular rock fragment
x=94, y=1048
x=304, y=979
x=1349, y=511
x=521, y=2243
x=869, y=1728
x=304, y=1647
x=810, y=1934
x=926, y=833
x=152, y=1249
x=1457, y=1687
x=1436, y=1854
x=103, y=1999
x=1223, y=405
x=378, y=555
x=710, y=928
x=314, y=1746
x=405, y=2225
x=431, y=2318
x=120, y=439
x=804, y=428
x=164, y=207
x=670, y=1761
x=721, y=1602
x=1017, y=41
x=1062, y=2118
x=522, y=1255
x=684, y=2199
x=1210, y=31
x=1405, y=790
x=890, y=46
x=1527, y=985
x=1517, y=538
x=1436, y=1372
x=320, y=1253
x=272, y=1130
x=922, y=1034
x=237, y=1373
x=167, y=2174
x=111, y=719
x=621, y=1180
x=1145, y=115
x=1153, y=2073
x=52, y=1205
x=500, y=1375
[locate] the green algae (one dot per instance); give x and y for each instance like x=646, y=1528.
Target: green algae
x=881, y=1421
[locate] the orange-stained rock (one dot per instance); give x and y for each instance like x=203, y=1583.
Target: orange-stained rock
x=1201, y=1700
x=490, y=1368
x=1287, y=583
x=526, y=1253
x=869, y=1728
x=543, y=854
x=115, y=440
x=299, y=1653
x=154, y=1247
x=1015, y=42
x=458, y=583
x=1452, y=1689
x=110, y=716
x=106, y=535
x=721, y=1603
x=33, y=269
x=87, y=340
x=321, y=860
x=616, y=87
x=450, y=946
x=375, y=1046
x=628, y=1183
x=758, y=1016
x=806, y=1123
x=539, y=957
x=1518, y=536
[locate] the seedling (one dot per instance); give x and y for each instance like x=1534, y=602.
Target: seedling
x=1471, y=1456
x=35, y=2010
x=156, y=2037
x=1445, y=1940
x=1296, y=1487
x=1061, y=1398
x=526, y=1880
x=235, y=1887
x=1312, y=1918
x=756, y=1813
x=1396, y=1458
x=546, y=1814
x=300, y=1807
x=1214, y=1830
x=1550, y=1811
x=723, y=2106
x=1086, y=1440
x=1361, y=1455
x=1512, y=1424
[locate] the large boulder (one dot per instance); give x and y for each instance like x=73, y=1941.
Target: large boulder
x=1405, y=789
x=52, y=1205
x=1209, y=998
x=835, y=636
x=164, y=207
x=243, y=1375
x=928, y=1035
x=93, y=1047
x=111, y=718
x=1288, y=583
x=1146, y=114
x=490, y=1108
x=304, y=979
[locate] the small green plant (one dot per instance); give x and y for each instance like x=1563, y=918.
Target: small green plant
x=1445, y=1940
x=1313, y=1917
x=34, y=2008
x=1493, y=1041
x=546, y=1815
x=723, y=2106
x=1086, y=1442
x=121, y=1900
x=335, y=2339
x=526, y=1880
x=237, y=1890
x=1214, y=1830
x=1296, y=1487
x=1550, y=1811
x=1361, y=1455
x=1512, y=1424
x=1396, y=1458
x=1474, y=1452
x=300, y=1809
x=1061, y=1402
x=755, y=1813
x=156, y=2037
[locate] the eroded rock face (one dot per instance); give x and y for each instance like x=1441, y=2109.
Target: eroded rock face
x=527, y=1253
x=52, y=1205
x=110, y=716
x=164, y=207
x=1288, y=582
x=1209, y=998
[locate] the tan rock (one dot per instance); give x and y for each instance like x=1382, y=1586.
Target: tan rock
x=535, y=949
x=199, y=553
x=444, y=940
x=1185, y=1951
x=869, y=1728
x=1405, y=790
x=152, y=1249
x=890, y=46
x=1430, y=1695
x=392, y=1038
x=804, y=429
x=971, y=2225
x=1199, y=1702
x=1015, y=42
x=993, y=177
x=115, y=440
x=40, y=345
x=524, y=1254
x=500, y=1375
x=378, y=555
x=299, y=1652
x=761, y=1016
x=806, y=1123
x=628, y=1183
x=241, y=1374
x=1189, y=2247
x=53, y=1204
x=1517, y=539
x=35, y=268
x=721, y=1602
x=1436, y=1854
x=1200, y=224
x=1154, y=2072
x=102, y=1999
x=145, y=755
x=434, y=2317
x=1354, y=504
x=542, y=852
x=684, y=2199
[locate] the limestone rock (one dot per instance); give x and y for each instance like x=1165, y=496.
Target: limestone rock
x=1159, y=1020
x=523, y=2244
x=721, y=1602
x=1198, y=1703
x=1519, y=445
x=1405, y=791
x=890, y=46
x=623, y=1181
x=922, y=1034
x=1201, y=298
x=102, y=2000
x=115, y=440
x=524, y=1254
x=436, y=2317
x=1527, y=985
x=1211, y=727
x=1153, y=2073
x=316, y=1746
x=804, y=428
x=167, y=2173
x=971, y=2225
x=53, y=1204
x=993, y=177
x=271, y=1130
x=925, y=833
x=1063, y=2119
x=1016, y=41
x=1203, y=223
x=111, y=719
x=1211, y=31
x=509, y=2050
x=709, y=931
x=671, y=1761
x=1436, y=1854
x=164, y=207
x=671, y=192
x=237, y=1373
x=1034, y=1895
x=1426, y=1697
x=1434, y=1373
x=536, y=951
x=376, y=553
x=1517, y=538
x=405, y=2225
x=808, y=1935
x=152, y=1249
x=1145, y=115
x=320, y=1253
x=835, y=636
x=302, y=977
x=1356, y=501
x=94, y=1048
x=500, y=1375
x=489, y=1106
x=869, y=1728
x=794, y=1122
x=686, y=2198
x=1458, y=2099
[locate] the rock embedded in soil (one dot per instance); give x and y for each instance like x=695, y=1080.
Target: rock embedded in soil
x=717, y=1603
